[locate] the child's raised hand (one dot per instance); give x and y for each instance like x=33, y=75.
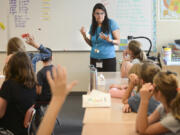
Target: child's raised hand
x=133, y=78
x=146, y=91
x=58, y=85
x=126, y=56
x=31, y=41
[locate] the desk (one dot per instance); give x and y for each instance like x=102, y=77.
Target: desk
x=109, y=121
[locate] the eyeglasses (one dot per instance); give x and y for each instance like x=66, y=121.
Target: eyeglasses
x=102, y=13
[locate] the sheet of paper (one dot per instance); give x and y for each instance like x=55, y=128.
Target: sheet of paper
x=96, y=99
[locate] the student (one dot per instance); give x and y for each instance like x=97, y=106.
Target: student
x=43, y=88
x=104, y=34
x=17, y=94
x=166, y=118
x=132, y=55
x=124, y=91
x=134, y=80
x=59, y=90
x=148, y=71
x=16, y=44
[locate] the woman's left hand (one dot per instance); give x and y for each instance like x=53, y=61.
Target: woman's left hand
x=103, y=36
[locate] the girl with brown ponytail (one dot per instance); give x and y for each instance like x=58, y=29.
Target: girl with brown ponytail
x=166, y=118
x=132, y=55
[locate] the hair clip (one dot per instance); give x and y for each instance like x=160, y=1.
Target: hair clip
x=168, y=72
x=178, y=89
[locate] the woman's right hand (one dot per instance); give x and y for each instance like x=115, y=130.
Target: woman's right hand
x=83, y=31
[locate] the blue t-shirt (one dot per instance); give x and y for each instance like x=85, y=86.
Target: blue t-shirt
x=134, y=102
x=106, y=49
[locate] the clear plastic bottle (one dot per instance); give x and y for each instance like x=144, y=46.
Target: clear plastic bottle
x=93, y=78
x=167, y=54
x=101, y=82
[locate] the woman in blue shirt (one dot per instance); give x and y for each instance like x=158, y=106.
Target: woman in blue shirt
x=104, y=34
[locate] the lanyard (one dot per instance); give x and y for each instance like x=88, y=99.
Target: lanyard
x=96, y=43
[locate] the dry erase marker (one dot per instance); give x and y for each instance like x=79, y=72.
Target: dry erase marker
x=25, y=35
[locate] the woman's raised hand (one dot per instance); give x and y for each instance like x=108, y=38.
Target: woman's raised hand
x=83, y=31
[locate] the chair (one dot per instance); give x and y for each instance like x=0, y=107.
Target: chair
x=28, y=119
x=40, y=106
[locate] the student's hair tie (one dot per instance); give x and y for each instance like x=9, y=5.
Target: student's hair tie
x=170, y=72
x=178, y=89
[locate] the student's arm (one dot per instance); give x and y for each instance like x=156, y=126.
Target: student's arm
x=154, y=117
x=142, y=124
x=3, y=105
x=83, y=32
x=132, y=82
x=40, y=83
x=38, y=89
x=5, y=97
x=125, y=67
x=30, y=40
x=60, y=90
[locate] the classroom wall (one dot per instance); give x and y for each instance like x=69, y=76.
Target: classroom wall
x=77, y=62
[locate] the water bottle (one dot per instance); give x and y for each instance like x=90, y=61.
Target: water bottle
x=167, y=54
x=101, y=82
x=93, y=77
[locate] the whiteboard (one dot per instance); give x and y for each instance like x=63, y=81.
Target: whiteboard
x=57, y=23
x=3, y=21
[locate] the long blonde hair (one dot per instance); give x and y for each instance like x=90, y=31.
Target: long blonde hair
x=15, y=44
x=167, y=84
x=135, y=47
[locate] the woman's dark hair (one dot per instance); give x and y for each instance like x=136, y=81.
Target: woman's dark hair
x=105, y=24
x=19, y=68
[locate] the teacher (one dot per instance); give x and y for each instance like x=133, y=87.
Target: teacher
x=103, y=35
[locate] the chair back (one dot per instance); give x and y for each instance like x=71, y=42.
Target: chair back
x=30, y=113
